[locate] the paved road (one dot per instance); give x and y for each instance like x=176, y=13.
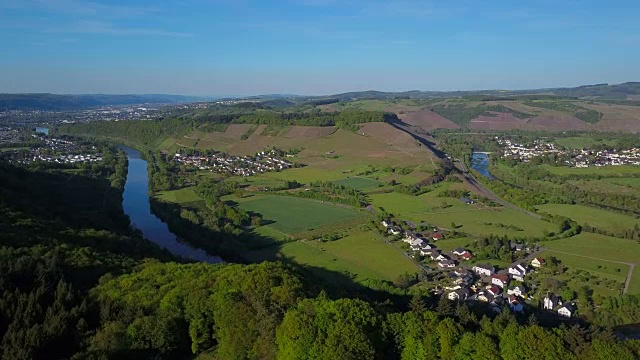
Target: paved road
x=423, y=137
x=489, y=194
x=632, y=266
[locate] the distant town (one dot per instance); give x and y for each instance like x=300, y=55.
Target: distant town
x=53, y=150
x=581, y=158
x=264, y=161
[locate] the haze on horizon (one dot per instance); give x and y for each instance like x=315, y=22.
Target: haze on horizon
x=248, y=47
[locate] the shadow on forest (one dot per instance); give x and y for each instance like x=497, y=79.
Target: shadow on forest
x=72, y=215
x=252, y=247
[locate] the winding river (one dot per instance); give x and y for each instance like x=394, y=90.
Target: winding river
x=136, y=205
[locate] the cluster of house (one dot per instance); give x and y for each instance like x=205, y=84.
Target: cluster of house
x=525, y=153
x=503, y=288
x=264, y=161
x=419, y=243
x=579, y=158
x=585, y=158
x=9, y=135
x=56, y=150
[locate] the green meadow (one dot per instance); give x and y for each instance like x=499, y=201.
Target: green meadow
x=586, y=215
x=359, y=183
x=292, y=215
x=360, y=256
x=598, y=246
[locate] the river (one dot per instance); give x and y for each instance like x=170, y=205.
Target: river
x=480, y=163
x=136, y=205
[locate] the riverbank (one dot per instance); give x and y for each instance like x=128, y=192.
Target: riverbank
x=136, y=205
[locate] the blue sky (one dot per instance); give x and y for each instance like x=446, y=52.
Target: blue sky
x=242, y=47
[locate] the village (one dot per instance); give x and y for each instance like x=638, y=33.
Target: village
x=480, y=282
x=54, y=150
x=264, y=161
x=581, y=158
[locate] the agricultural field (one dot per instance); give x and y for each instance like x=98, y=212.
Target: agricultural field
x=491, y=221
x=470, y=219
x=323, y=148
x=598, y=247
x=304, y=175
x=586, y=215
x=361, y=255
x=291, y=215
x=581, y=142
x=359, y=183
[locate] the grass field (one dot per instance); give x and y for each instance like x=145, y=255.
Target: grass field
x=185, y=197
x=634, y=286
x=305, y=175
x=607, y=269
x=179, y=196
x=358, y=183
x=621, y=171
x=292, y=215
x=586, y=215
x=361, y=255
x=470, y=219
x=605, y=186
x=628, y=182
x=580, y=142
x=606, y=278
x=448, y=245
x=598, y=246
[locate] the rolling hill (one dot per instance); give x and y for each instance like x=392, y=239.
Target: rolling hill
x=55, y=102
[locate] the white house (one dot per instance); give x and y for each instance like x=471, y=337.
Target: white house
x=551, y=301
x=459, y=251
x=428, y=252
x=458, y=294
x=516, y=290
x=537, y=262
x=518, y=272
x=484, y=269
x=394, y=230
x=415, y=242
x=446, y=264
x=438, y=257
x=567, y=310
x=500, y=280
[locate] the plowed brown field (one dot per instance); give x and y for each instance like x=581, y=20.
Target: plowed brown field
x=310, y=132
x=427, y=120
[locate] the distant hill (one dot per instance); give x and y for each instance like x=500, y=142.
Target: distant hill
x=54, y=102
x=625, y=91
x=629, y=91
